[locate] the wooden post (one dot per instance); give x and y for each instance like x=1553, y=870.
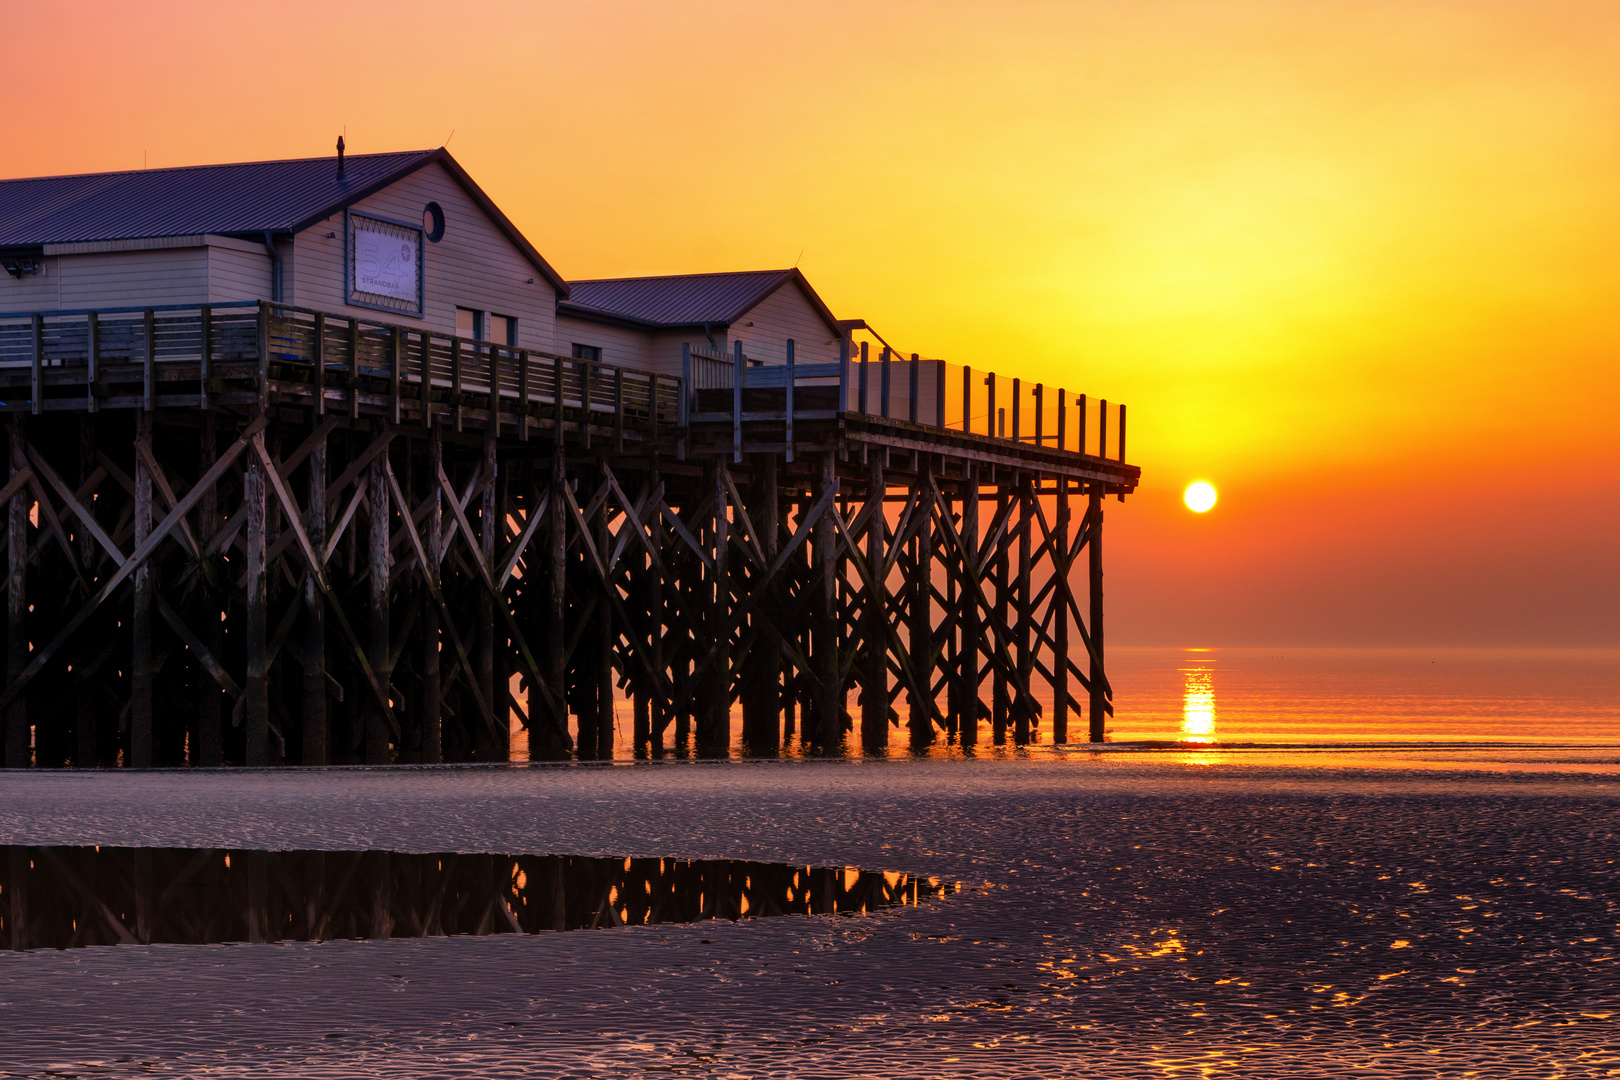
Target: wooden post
x=377, y=748
x=315, y=748
x=84, y=728
x=432, y=722
x=256, y=690
x=557, y=601
x=92, y=350
x=829, y=717
x=739, y=383
x=141, y=671
x=967, y=400
x=714, y=715
x=605, y=639
x=318, y=367
x=1061, y=594
x=491, y=744
x=210, y=749
x=920, y=641
x=787, y=412
x=427, y=387
x=972, y=626
x=1099, y=697
x=762, y=703
x=884, y=368
x=1022, y=720
x=148, y=370
x=916, y=384
x=864, y=380
x=875, y=689
x=354, y=368
x=17, y=749
x=1002, y=601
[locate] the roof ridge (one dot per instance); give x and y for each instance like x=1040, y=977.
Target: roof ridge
x=217, y=165
x=670, y=277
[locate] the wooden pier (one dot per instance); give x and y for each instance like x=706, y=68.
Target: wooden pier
x=257, y=534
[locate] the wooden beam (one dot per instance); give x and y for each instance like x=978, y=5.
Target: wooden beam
x=315, y=734
x=17, y=750
x=141, y=670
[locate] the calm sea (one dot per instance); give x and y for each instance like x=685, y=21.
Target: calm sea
x=1436, y=708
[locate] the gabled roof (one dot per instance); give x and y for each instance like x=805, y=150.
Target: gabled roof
x=246, y=200
x=683, y=300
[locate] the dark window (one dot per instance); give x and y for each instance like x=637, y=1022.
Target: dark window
x=588, y=352
x=502, y=329
x=433, y=222
x=469, y=323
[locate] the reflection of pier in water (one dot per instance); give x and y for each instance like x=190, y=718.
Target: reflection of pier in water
x=65, y=897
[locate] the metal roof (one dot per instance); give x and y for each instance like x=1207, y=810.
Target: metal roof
x=682, y=299
x=246, y=199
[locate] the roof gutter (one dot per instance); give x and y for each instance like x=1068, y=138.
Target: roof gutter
x=275, y=266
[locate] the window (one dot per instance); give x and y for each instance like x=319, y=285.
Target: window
x=588, y=352
x=502, y=329
x=469, y=323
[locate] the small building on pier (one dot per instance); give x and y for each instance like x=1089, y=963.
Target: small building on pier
x=644, y=322
x=406, y=236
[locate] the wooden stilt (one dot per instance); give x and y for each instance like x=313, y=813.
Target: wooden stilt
x=210, y=748
x=557, y=604
x=972, y=622
x=255, y=689
x=17, y=734
x=604, y=655
x=829, y=717
x=1062, y=597
x=875, y=677
x=1023, y=622
x=1099, y=697
x=920, y=639
x=141, y=672
x=763, y=734
x=491, y=743
x=1003, y=597
x=314, y=743
x=377, y=748
x=714, y=712
x=432, y=722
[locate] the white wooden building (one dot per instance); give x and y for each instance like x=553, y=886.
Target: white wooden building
x=406, y=238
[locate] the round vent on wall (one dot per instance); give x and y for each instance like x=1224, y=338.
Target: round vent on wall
x=433, y=222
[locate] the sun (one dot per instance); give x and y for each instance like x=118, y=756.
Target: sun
x=1199, y=497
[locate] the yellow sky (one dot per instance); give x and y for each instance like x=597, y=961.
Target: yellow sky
x=1360, y=258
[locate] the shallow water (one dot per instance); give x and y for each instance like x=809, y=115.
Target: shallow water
x=1121, y=916
x=1526, y=709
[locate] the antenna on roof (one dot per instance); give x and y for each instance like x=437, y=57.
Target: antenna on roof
x=342, y=179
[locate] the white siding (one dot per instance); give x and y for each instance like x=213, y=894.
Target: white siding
x=474, y=266
x=665, y=354
x=36, y=292
x=113, y=279
x=126, y=279
x=235, y=274
x=786, y=313
x=619, y=345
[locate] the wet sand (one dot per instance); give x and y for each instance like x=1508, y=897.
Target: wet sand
x=1118, y=919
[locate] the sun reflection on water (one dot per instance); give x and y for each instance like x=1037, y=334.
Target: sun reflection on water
x=1198, y=705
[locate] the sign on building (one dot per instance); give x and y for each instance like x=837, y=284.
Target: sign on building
x=384, y=264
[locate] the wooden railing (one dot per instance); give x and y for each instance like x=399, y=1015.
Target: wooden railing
x=195, y=355
x=932, y=393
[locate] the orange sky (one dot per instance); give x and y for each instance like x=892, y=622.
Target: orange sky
x=1357, y=264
